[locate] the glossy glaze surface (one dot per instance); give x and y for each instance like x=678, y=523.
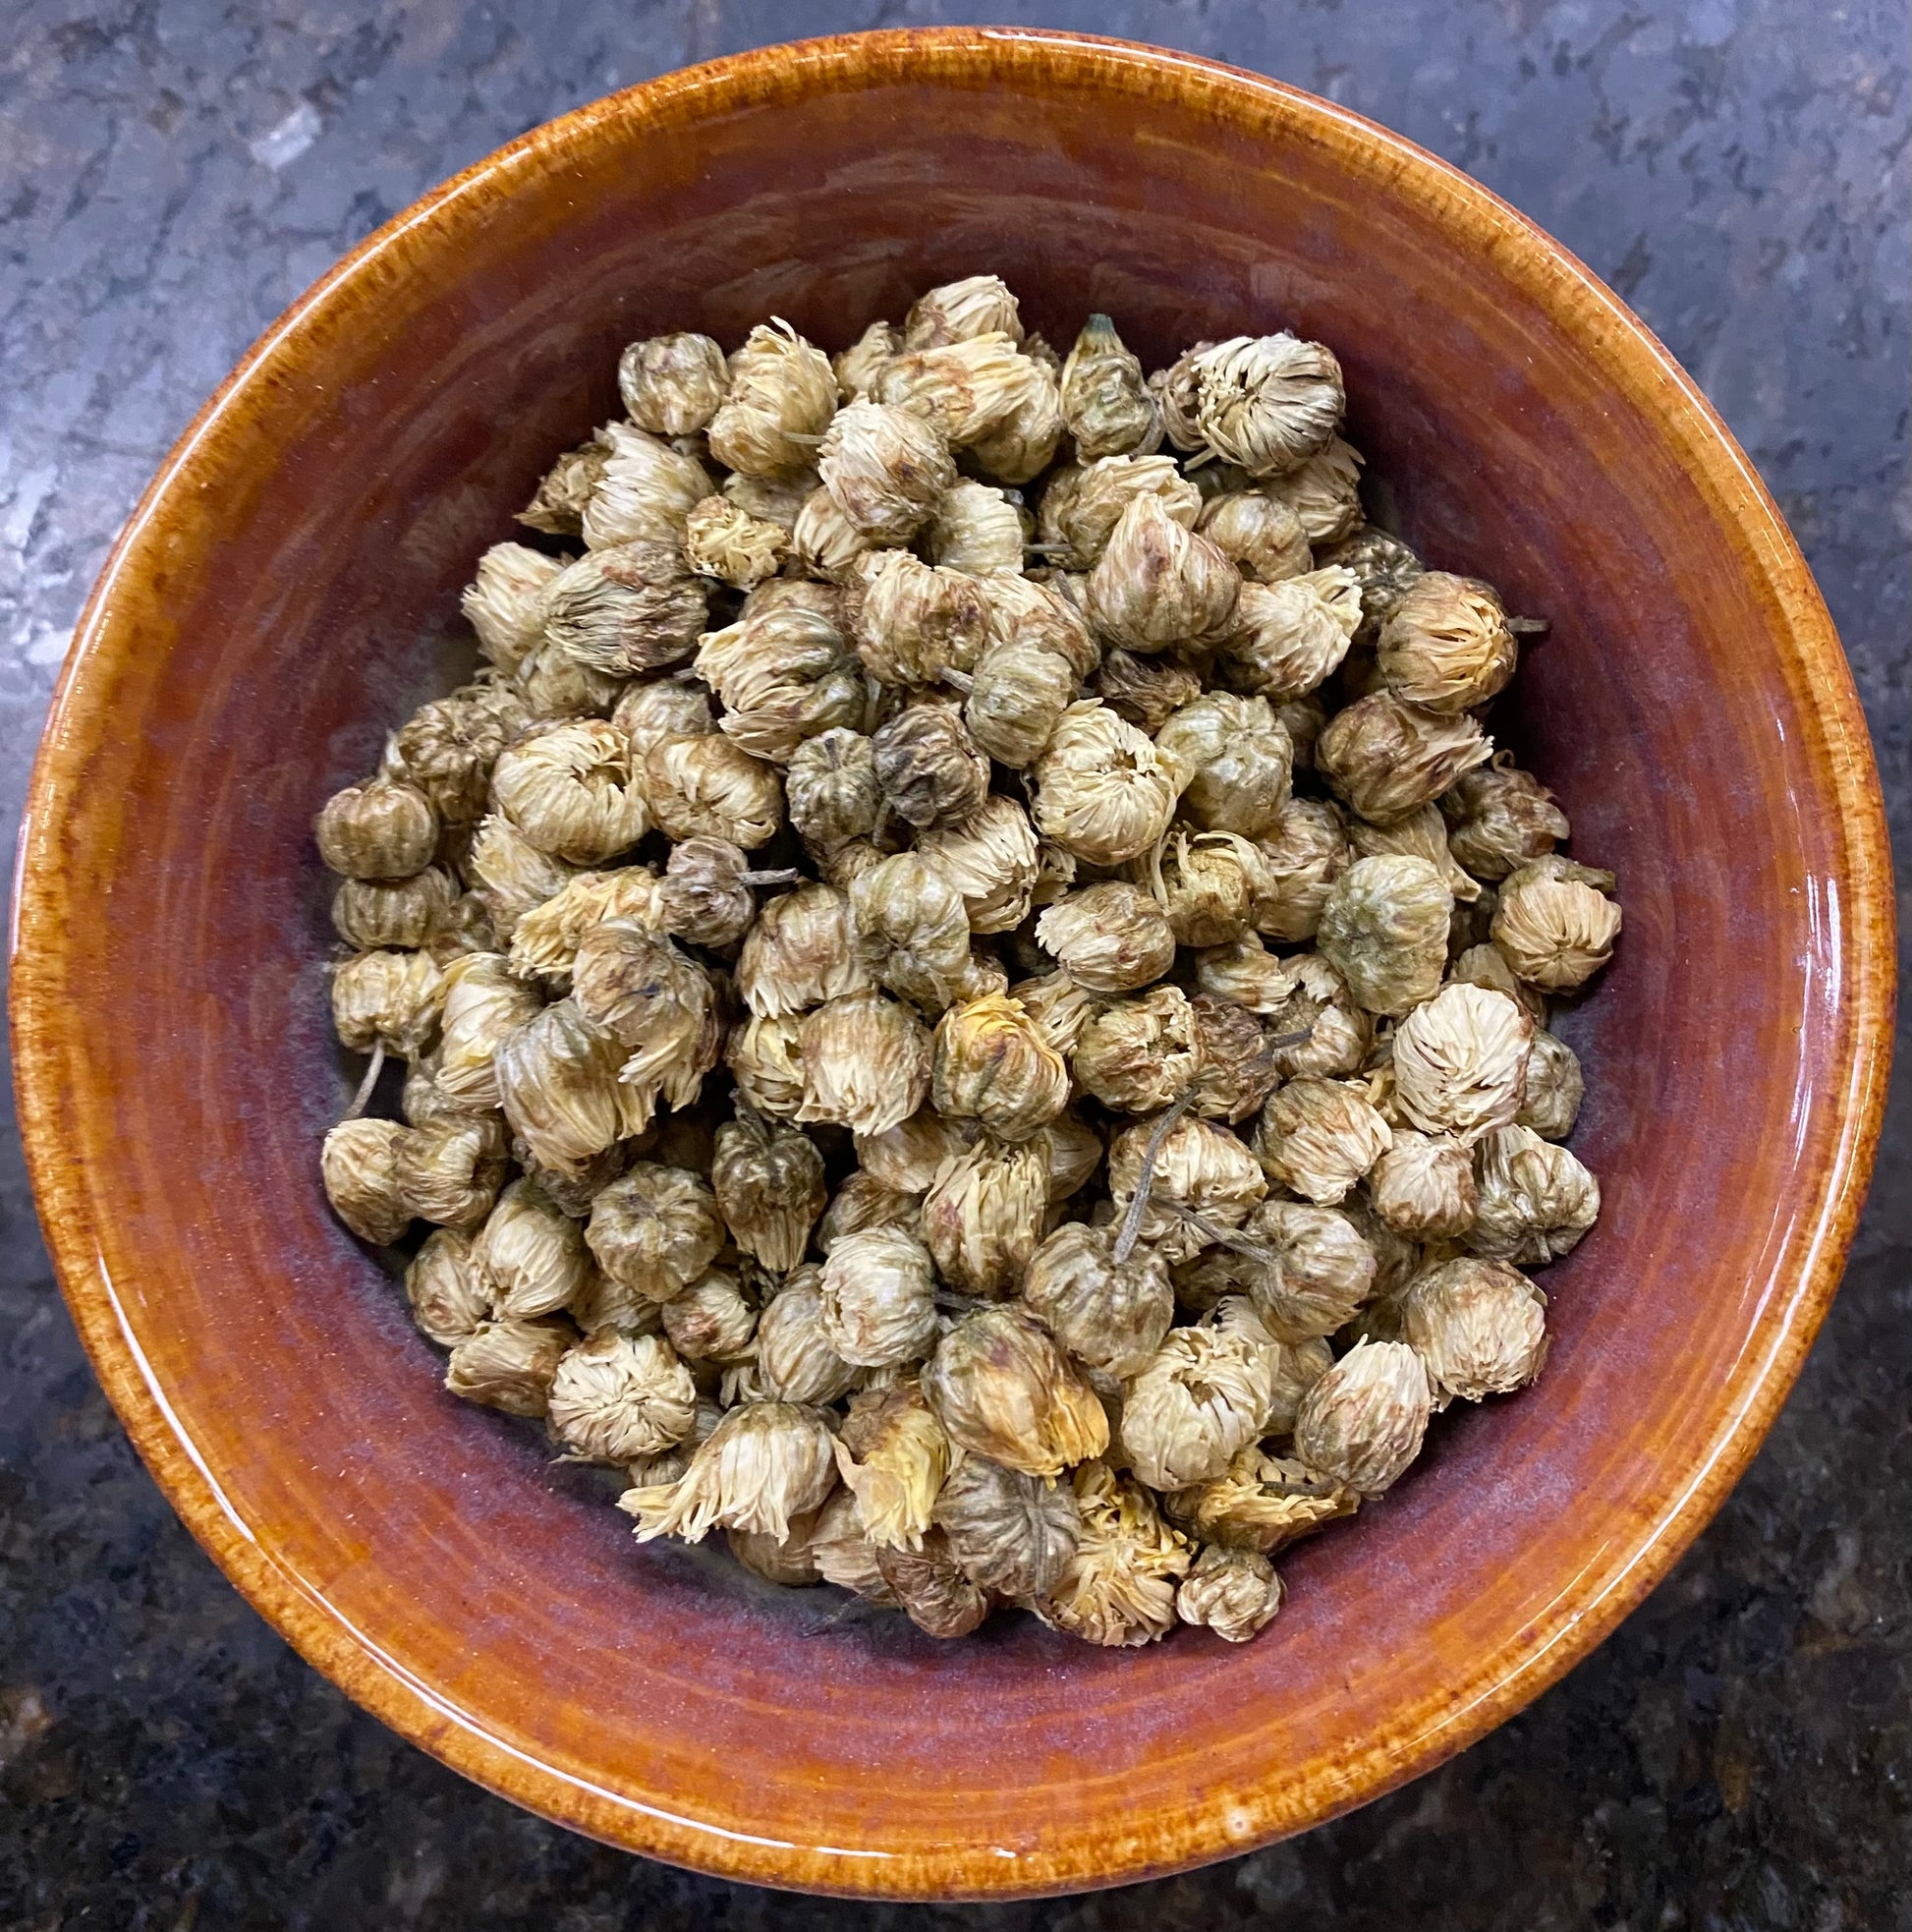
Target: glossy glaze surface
x=302, y=554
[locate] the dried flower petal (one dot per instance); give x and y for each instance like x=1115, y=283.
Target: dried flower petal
x=1119, y=1588
x=1460, y=1061
x=1261, y=1503
x=800, y=952
x=386, y=998
x=1424, y=1185
x=1111, y=1315
x=360, y=1166
x=531, y=1254
x=912, y=621
x=860, y=365
x=711, y=1321
x=722, y=539
x=1319, y=1137
x=644, y=491
x=1232, y=760
x=930, y=767
x=886, y=468
x=448, y=1295
x=983, y=1215
x=381, y=830
x=1480, y=1328
x=958, y=312
x=794, y=1355
x=1106, y=406
x=615, y=1398
x=1258, y=533
x=912, y=929
x=504, y=603
x=1268, y=401
x=1502, y=817
x=995, y=1064
x=510, y=1364
x=628, y=607
x=1108, y=937
x=1553, y=1088
x=765, y=1057
x=893, y=1455
x=1102, y=792
x=978, y=529
x=1204, y=1179
x=764, y=1466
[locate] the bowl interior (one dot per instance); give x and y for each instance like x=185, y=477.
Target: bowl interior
x=287, y=596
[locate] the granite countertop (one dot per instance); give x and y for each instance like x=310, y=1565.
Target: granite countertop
x=1740, y=1754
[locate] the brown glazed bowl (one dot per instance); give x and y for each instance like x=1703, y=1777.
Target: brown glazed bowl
x=279, y=599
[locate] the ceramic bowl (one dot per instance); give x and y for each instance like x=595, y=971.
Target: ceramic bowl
x=278, y=602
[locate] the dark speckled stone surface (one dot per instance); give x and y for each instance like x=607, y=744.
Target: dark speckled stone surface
x=1740, y=1754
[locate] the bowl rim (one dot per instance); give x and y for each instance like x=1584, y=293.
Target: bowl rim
x=1804, y=1281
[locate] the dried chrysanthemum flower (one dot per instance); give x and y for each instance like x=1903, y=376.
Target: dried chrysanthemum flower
x=1102, y=791
x=1202, y=1181
x=551, y=686
x=625, y=609
x=1555, y=923
x=1235, y=1593
x=1021, y=442
x=704, y=895
x=957, y=311
x=1232, y=1052
x=794, y=1356
x=660, y=1006
x=932, y=1590
x=447, y=1292
x=656, y=1229
x=1555, y=1088
x=1307, y=853
x=388, y=1000
x=615, y=1397
x=1384, y=758
x=1145, y=691
x=644, y=491
x=1017, y=697
x=672, y=384
x=827, y=543
x=510, y=1364
x=1445, y=645
x=970, y=388
x=1157, y=584
x=483, y=1004
x=1111, y=1315
x=1210, y=883
x=545, y=938
x=711, y=787
x=770, y=1187
x=1247, y=973
x=423, y=1103
x=1001, y=1389
x=866, y=1063
x=784, y=672
x=384, y=829
x=831, y=789
x=801, y=952
x=878, y=1290
x=1008, y=1532
x=713, y=1319
x=995, y=1064
x=359, y=1166
x=992, y=859
x=892, y=1455
x=907, y=1155
x=371, y=914
x=859, y=365
x=1312, y=1271
x=571, y=790
x=1136, y=1056
x=1082, y=505
x=975, y=528
x=530, y=1253
x=1118, y=1586
x=1262, y=1502
x=1106, y=406
x=450, y=746
x=886, y=468
x=1424, y=1185
x=1422, y=834
x=844, y=1554
x=1059, y=1006
x=1231, y=758
x=667, y=1466
x=557, y=506
x=1323, y=493
x=930, y=766
x=790, y=1560
x=1460, y=1061
x=766, y=1058
x=1288, y=637
x=1327, y=1035
x=1502, y=817
x=1204, y=1395
x=1258, y=533
x=983, y=1215
x=782, y=394
x=912, y=621
x=1109, y=937
x=912, y=929
x=667, y=708
x=1384, y=566
x=1363, y=1423
x=1319, y=1137
x=1384, y=929
x=764, y=1466
x=1535, y=1199
x=1480, y=1328
x=862, y=1203
x=1268, y=401
x=504, y=603
x=450, y=1172
x=722, y=539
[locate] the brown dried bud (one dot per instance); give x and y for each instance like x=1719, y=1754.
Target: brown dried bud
x=1460, y=1062
x=1137, y=1055
x=1106, y=406
x=1237, y=1068
x=912, y=621
x=1307, y=853
x=1384, y=929
x=381, y=829
x=570, y=788
x=1385, y=567
x=782, y=395
x=930, y=767
x=450, y=1172
x=1202, y=1180
x=1263, y=1501
x=649, y=714
x=1111, y=1315
x=800, y=952
x=1232, y=758
x=1319, y=1137
x=722, y=539
x=1384, y=759
x=552, y=686
x=1002, y=1390
x=1535, y=1199
x=656, y=1229
x=1555, y=1088
x=770, y=1187
x=504, y=603
x=386, y=998
x=1080, y=506
x=978, y=529
x=1157, y=584
x=958, y=312
x=1258, y=532
x=531, y=1254
x=932, y=1590
x=1145, y=691
x=1313, y=1271
x=973, y=389
x=892, y=1456
x=764, y=1466
x=1422, y=834
x=912, y=929
x=1021, y=442
x=672, y=384
x=859, y=365
x=983, y=1215
x=557, y=1082
x=449, y=746
x=1480, y=1328
x=557, y=506
x=359, y=1166
x=1248, y=974
x=992, y=859
x=1102, y=791
x=1119, y=1588
x=1235, y=1593
x=794, y=1356
x=1109, y=937
x=615, y=1398
x=1289, y=637
x=1268, y=401
x=1017, y=697
x=833, y=790
x=1209, y=884
x=1500, y=819
x=866, y=1063
x=644, y=491
x=1445, y=645
x=704, y=895
x=790, y=1560
x=886, y=468
x=765, y=1057
x=1424, y=1185
x=1006, y=1531
x=627, y=609
x=546, y=940
x=995, y=1064
x=711, y=1321
x=711, y=787
x=402, y=913
x=862, y=1203
x=1205, y=1394
x=1554, y=922
x=1363, y=1423
x=827, y=543
x=446, y=1290
x=657, y=1004
x=510, y=1364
